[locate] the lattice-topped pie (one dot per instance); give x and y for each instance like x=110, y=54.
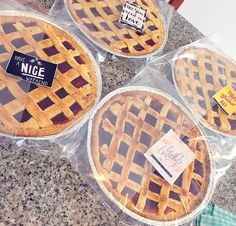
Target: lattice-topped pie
x=199, y=73
x=99, y=20
x=123, y=128
x=30, y=110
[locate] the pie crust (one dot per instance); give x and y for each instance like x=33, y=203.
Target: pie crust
x=199, y=73
x=123, y=127
x=29, y=110
x=99, y=21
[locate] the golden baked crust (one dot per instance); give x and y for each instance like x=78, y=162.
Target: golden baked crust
x=100, y=21
x=30, y=110
x=200, y=73
x=123, y=129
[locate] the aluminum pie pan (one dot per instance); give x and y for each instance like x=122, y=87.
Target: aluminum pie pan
x=140, y=219
x=123, y=55
x=81, y=121
x=176, y=56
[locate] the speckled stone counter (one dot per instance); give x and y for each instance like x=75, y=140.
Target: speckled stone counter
x=41, y=189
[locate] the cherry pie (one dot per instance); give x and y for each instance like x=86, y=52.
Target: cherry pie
x=123, y=128
x=33, y=111
x=99, y=20
x=199, y=73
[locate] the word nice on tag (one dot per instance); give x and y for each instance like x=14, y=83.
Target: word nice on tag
x=31, y=69
x=226, y=99
x=170, y=156
x=133, y=16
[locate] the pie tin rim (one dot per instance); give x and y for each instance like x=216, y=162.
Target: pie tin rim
x=209, y=47
x=80, y=121
x=211, y=185
x=154, y=53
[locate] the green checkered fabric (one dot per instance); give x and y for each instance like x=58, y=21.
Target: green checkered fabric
x=213, y=215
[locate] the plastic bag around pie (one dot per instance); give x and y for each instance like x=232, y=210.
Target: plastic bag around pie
x=125, y=124
x=99, y=21
x=199, y=72
x=29, y=110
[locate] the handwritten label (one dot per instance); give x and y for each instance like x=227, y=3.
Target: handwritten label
x=133, y=16
x=226, y=99
x=31, y=69
x=170, y=156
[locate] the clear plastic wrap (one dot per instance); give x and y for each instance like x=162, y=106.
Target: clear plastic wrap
x=32, y=114
x=98, y=22
x=109, y=149
x=129, y=122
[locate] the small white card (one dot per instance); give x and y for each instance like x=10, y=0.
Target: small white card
x=170, y=156
x=133, y=16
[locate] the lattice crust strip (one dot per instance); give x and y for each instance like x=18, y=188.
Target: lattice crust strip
x=29, y=110
x=100, y=21
x=199, y=74
x=123, y=129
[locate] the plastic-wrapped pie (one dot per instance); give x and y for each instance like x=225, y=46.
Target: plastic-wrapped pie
x=124, y=126
x=29, y=110
x=199, y=73
x=99, y=21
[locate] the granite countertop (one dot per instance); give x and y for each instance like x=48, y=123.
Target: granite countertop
x=40, y=189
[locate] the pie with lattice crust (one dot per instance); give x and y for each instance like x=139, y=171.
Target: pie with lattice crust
x=30, y=110
x=99, y=20
x=122, y=129
x=199, y=73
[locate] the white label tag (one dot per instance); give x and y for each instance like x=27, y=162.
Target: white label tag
x=170, y=156
x=133, y=16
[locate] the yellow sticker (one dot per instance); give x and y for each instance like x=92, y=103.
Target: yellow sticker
x=226, y=99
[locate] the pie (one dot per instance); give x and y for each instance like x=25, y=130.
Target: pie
x=29, y=110
x=199, y=73
x=123, y=128
x=99, y=20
